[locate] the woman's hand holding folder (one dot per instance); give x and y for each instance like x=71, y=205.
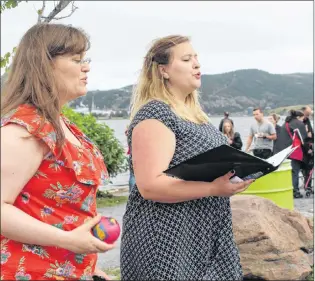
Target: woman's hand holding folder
x=222, y=186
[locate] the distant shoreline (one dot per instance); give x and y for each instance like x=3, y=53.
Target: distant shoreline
x=278, y=110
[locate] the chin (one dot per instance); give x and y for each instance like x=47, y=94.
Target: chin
x=197, y=85
x=78, y=95
x=194, y=88
x=81, y=93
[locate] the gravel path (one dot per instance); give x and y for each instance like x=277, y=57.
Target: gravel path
x=111, y=258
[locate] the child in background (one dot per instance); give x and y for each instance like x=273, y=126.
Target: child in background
x=132, y=180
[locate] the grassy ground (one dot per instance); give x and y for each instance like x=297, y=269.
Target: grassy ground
x=311, y=277
x=113, y=118
x=113, y=272
x=110, y=202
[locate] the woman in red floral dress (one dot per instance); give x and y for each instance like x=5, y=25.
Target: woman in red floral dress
x=50, y=170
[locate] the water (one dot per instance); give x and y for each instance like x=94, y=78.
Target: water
x=241, y=125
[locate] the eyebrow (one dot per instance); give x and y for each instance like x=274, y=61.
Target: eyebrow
x=190, y=55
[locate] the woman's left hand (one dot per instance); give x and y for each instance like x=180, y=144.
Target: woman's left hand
x=101, y=273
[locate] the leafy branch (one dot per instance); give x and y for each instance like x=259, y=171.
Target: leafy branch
x=10, y=4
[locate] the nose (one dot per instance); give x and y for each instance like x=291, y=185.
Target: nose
x=85, y=67
x=196, y=63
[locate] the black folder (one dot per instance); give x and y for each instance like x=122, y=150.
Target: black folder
x=217, y=162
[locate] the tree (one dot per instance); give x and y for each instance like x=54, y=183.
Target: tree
x=58, y=8
x=104, y=137
x=52, y=15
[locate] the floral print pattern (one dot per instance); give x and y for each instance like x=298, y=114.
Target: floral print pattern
x=20, y=273
x=4, y=251
x=35, y=249
x=65, y=270
x=25, y=197
x=61, y=193
x=88, y=201
x=56, y=165
x=46, y=211
x=64, y=194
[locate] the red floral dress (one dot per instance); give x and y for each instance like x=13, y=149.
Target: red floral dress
x=61, y=193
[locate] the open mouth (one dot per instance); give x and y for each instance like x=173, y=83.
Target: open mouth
x=198, y=75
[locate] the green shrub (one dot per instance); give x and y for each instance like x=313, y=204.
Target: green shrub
x=103, y=136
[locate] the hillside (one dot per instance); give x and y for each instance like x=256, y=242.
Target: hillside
x=233, y=91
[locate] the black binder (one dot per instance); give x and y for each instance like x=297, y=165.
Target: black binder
x=217, y=162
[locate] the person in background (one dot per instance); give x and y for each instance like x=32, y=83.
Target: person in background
x=307, y=111
x=274, y=119
x=293, y=121
x=175, y=229
x=226, y=117
x=308, y=162
x=132, y=180
x=50, y=171
x=263, y=133
x=234, y=138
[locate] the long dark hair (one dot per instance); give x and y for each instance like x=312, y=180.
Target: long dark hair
x=293, y=114
x=31, y=78
x=231, y=133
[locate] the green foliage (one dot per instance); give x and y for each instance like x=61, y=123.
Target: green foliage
x=104, y=194
x=10, y=4
x=111, y=149
x=114, y=273
x=6, y=59
x=311, y=276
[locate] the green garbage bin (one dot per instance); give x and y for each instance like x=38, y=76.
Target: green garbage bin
x=276, y=186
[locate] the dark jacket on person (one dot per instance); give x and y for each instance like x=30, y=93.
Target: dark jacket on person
x=307, y=122
x=284, y=140
x=278, y=130
x=308, y=159
x=221, y=123
x=237, y=141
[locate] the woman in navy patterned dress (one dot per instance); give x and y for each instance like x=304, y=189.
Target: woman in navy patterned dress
x=175, y=229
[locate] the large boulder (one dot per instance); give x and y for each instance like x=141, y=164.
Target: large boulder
x=274, y=243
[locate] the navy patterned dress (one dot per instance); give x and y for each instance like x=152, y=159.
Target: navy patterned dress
x=181, y=241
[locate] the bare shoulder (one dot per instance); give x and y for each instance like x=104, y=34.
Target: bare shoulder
x=152, y=125
x=21, y=156
x=14, y=130
x=16, y=137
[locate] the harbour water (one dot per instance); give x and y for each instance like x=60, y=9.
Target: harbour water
x=241, y=124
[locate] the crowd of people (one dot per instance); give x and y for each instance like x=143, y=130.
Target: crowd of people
x=50, y=171
x=267, y=138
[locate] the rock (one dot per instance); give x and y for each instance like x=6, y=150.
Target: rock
x=274, y=243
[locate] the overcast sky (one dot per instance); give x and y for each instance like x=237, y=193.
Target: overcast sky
x=273, y=36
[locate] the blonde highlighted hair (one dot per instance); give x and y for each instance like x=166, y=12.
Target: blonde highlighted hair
x=152, y=86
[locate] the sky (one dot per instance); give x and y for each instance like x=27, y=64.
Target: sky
x=274, y=36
